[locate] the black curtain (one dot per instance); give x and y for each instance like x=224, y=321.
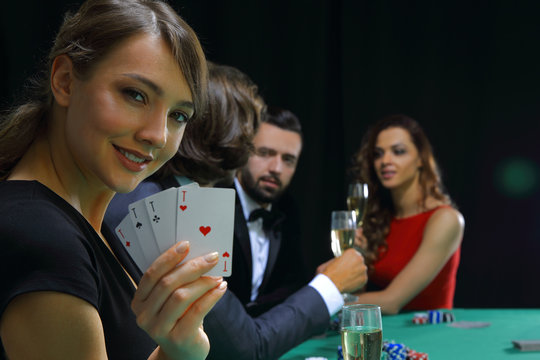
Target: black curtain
x=468, y=72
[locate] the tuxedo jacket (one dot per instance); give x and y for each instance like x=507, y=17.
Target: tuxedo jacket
x=284, y=314
x=285, y=271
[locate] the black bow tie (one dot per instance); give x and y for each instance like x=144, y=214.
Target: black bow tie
x=270, y=219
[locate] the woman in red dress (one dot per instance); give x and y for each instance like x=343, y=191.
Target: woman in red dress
x=412, y=232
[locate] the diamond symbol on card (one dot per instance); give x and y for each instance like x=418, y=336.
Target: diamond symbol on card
x=138, y=225
x=156, y=219
x=128, y=244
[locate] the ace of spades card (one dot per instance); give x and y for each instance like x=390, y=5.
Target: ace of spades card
x=205, y=218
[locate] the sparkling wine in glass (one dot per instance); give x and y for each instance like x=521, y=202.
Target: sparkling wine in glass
x=357, y=199
x=361, y=332
x=343, y=228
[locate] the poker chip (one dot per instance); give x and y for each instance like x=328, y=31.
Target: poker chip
x=339, y=352
x=435, y=316
x=396, y=351
x=413, y=355
x=420, y=318
x=448, y=317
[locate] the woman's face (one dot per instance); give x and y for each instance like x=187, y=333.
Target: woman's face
x=127, y=119
x=396, y=159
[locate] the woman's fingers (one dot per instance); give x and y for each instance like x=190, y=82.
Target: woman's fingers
x=161, y=266
x=196, y=313
x=360, y=240
x=178, y=278
x=180, y=302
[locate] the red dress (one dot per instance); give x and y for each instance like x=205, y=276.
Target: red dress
x=403, y=240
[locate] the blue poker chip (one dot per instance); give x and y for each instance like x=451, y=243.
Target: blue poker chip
x=395, y=351
x=435, y=316
x=339, y=352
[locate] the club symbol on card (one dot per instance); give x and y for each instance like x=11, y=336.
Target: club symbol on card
x=205, y=230
x=183, y=207
x=156, y=219
x=138, y=225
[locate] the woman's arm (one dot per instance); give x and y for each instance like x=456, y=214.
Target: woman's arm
x=170, y=304
x=442, y=236
x=51, y=325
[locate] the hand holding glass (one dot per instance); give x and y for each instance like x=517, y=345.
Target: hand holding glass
x=361, y=332
x=357, y=199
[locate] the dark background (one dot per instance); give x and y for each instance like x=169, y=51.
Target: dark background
x=468, y=72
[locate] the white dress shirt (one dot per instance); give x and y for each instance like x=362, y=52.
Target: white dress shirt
x=260, y=245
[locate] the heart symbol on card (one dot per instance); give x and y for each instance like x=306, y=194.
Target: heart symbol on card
x=183, y=207
x=205, y=229
x=226, y=254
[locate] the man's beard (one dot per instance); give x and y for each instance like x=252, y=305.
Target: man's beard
x=258, y=193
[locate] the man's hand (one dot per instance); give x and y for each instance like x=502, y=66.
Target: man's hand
x=348, y=271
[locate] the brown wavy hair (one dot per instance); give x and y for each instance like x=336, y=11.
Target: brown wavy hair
x=221, y=140
x=380, y=206
x=87, y=36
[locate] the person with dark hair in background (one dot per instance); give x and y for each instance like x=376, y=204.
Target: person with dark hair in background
x=412, y=233
x=123, y=79
x=214, y=146
x=268, y=308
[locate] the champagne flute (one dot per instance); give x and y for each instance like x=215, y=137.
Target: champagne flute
x=361, y=332
x=343, y=228
x=357, y=199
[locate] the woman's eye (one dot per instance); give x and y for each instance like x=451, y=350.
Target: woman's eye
x=399, y=151
x=179, y=117
x=135, y=95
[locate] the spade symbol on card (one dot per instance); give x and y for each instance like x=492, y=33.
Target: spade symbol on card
x=183, y=207
x=139, y=225
x=205, y=230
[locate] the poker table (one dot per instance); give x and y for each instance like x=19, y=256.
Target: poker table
x=442, y=342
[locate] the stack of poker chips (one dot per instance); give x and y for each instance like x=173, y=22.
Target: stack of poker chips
x=413, y=355
x=420, y=318
x=339, y=352
x=397, y=351
x=433, y=317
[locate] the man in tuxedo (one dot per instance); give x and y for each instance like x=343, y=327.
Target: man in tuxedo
x=268, y=308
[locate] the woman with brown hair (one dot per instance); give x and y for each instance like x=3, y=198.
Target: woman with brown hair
x=411, y=234
x=123, y=79
x=213, y=147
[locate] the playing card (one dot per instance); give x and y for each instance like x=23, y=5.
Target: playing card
x=126, y=234
x=143, y=230
x=161, y=208
x=205, y=217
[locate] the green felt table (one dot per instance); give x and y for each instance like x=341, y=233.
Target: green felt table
x=443, y=342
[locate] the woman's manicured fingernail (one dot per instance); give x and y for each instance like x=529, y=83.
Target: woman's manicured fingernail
x=223, y=285
x=212, y=257
x=182, y=247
